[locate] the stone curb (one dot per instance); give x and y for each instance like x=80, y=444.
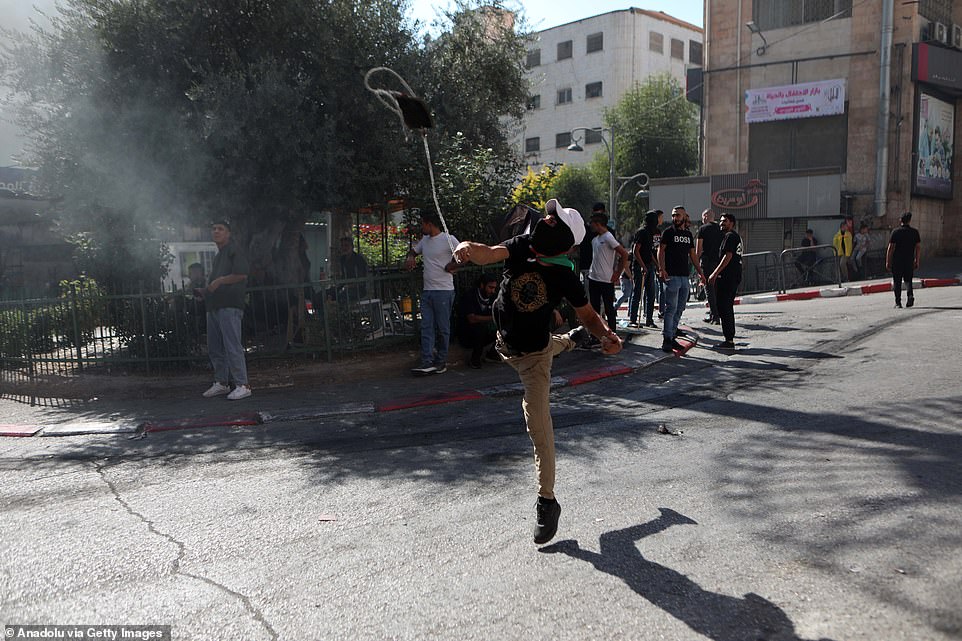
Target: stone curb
x=837, y=292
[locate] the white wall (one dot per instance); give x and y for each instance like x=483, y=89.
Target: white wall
x=624, y=61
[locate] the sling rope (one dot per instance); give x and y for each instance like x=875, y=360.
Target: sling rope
x=416, y=119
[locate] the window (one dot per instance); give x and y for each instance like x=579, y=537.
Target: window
x=534, y=102
x=564, y=96
x=562, y=140
x=695, y=53
x=656, y=42
x=564, y=50
x=534, y=58
x=593, y=90
x=532, y=145
x=677, y=49
x=596, y=42
x=775, y=14
x=592, y=136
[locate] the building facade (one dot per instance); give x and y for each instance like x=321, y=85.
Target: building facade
x=578, y=69
x=831, y=110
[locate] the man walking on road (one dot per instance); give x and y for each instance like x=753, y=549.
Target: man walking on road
x=608, y=261
x=537, y=276
x=902, y=258
x=726, y=276
x=706, y=248
x=674, y=251
x=438, y=295
x=224, y=301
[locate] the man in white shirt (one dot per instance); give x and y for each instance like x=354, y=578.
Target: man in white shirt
x=608, y=261
x=438, y=295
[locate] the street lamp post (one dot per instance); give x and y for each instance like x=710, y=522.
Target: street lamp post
x=642, y=179
x=612, y=194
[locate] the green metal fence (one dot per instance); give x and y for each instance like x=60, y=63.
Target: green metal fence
x=149, y=331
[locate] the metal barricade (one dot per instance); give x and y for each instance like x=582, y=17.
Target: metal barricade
x=809, y=267
x=759, y=273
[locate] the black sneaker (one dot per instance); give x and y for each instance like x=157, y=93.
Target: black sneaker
x=910, y=302
x=726, y=345
x=440, y=368
x=475, y=360
x=546, y=521
x=898, y=304
x=424, y=370
x=650, y=323
x=681, y=332
x=669, y=346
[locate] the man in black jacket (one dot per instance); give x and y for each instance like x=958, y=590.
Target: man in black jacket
x=706, y=248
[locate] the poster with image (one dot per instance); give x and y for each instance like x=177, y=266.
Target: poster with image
x=932, y=174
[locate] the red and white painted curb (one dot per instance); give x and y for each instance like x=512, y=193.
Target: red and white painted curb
x=248, y=419
x=837, y=292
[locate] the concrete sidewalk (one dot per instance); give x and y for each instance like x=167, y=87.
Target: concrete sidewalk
x=393, y=389
x=387, y=385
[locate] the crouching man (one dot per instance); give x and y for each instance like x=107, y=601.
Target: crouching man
x=537, y=276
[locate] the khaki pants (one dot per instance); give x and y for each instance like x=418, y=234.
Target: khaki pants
x=534, y=368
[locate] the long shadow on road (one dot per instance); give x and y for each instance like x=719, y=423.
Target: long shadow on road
x=717, y=616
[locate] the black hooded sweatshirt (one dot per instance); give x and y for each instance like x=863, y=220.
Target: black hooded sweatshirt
x=647, y=239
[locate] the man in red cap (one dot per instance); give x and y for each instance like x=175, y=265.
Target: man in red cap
x=537, y=276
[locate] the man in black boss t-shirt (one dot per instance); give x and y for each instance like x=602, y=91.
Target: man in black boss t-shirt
x=537, y=276
x=726, y=276
x=675, y=250
x=902, y=258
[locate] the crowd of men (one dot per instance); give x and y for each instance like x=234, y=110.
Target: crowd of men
x=516, y=320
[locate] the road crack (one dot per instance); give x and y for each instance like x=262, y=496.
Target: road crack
x=181, y=552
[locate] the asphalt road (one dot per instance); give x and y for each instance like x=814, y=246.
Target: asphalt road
x=809, y=489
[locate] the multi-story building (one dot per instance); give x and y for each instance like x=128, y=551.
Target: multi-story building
x=822, y=111
x=578, y=69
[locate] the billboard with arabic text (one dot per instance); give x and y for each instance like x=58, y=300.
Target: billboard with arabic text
x=789, y=102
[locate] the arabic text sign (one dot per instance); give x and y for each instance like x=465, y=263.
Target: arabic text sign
x=807, y=100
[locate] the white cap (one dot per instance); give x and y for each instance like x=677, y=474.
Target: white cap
x=571, y=217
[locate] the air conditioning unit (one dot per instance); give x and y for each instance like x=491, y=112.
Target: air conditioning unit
x=957, y=36
x=941, y=33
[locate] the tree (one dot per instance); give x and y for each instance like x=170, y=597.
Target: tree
x=474, y=186
x=535, y=189
x=158, y=112
x=574, y=187
x=656, y=131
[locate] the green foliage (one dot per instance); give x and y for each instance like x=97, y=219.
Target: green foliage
x=145, y=115
x=574, y=187
x=656, y=130
x=535, y=189
x=370, y=238
x=38, y=328
x=473, y=187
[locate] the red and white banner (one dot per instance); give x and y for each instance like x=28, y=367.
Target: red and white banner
x=806, y=100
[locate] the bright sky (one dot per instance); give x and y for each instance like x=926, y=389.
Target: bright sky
x=544, y=14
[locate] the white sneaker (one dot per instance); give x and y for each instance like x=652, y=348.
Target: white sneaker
x=241, y=391
x=216, y=390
